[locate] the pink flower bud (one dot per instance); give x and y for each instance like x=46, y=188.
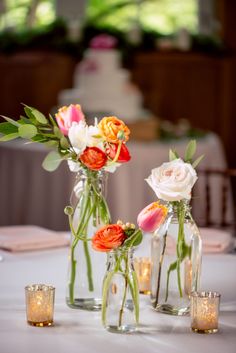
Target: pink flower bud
x=152, y=216
x=67, y=115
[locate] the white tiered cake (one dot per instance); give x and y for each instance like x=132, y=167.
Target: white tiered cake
x=101, y=85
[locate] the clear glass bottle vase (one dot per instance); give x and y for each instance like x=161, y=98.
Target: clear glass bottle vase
x=120, y=304
x=87, y=213
x=176, y=261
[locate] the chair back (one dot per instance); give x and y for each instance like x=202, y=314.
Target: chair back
x=217, y=196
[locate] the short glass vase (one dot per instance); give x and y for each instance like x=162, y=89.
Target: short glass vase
x=120, y=304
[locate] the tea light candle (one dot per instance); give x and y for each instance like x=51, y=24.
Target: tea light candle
x=204, y=312
x=39, y=304
x=142, y=267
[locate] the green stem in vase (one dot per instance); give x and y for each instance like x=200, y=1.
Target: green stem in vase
x=182, y=249
x=85, y=208
x=125, y=291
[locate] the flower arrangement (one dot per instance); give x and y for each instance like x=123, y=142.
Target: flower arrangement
x=172, y=183
x=89, y=150
x=117, y=239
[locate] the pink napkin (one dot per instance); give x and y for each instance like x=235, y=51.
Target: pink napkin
x=27, y=238
x=213, y=241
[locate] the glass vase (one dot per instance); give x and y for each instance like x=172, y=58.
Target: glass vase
x=120, y=303
x=176, y=261
x=87, y=213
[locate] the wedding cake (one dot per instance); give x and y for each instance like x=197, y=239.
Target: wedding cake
x=101, y=85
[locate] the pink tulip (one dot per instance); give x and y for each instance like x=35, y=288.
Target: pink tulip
x=67, y=115
x=152, y=216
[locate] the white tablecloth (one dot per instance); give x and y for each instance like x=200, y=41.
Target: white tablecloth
x=80, y=331
x=30, y=195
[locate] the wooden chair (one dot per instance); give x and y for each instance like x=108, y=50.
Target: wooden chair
x=223, y=184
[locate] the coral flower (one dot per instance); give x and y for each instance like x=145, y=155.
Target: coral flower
x=124, y=155
x=67, y=115
x=108, y=238
x=93, y=158
x=110, y=127
x=152, y=217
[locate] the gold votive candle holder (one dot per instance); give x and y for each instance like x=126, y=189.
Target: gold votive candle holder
x=142, y=267
x=204, y=309
x=39, y=304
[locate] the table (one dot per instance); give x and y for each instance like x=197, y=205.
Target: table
x=30, y=195
x=80, y=331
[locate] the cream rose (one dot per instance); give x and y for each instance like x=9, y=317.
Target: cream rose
x=173, y=181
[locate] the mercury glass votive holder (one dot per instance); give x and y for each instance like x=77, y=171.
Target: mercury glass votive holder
x=39, y=304
x=204, y=309
x=142, y=267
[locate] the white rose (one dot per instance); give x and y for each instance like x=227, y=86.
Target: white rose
x=73, y=166
x=93, y=139
x=173, y=181
x=78, y=135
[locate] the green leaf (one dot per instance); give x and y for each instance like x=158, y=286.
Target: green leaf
x=27, y=131
x=190, y=150
x=39, y=116
x=197, y=161
x=39, y=138
x=7, y=128
x=173, y=155
x=52, y=143
x=28, y=113
x=52, y=161
x=64, y=143
x=24, y=120
x=57, y=132
x=11, y=121
x=53, y=122
x=134, y=240
x=9, y=137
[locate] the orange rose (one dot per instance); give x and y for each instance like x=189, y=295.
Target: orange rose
x=108, y=238
x=93, y=158
x=111, y=126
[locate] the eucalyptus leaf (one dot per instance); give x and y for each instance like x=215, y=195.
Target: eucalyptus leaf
x=11, y=121
x=24, y=120
x=39, y=116
x=52, y=143
x=27, y=131
x=197, y=161
x=57, y=132
x=28, y=113
x=52, y=161
x=9, y=137
x=190, y=150
x=53, y=122
x=173, y=155
x=7, y=128
x=64, y=143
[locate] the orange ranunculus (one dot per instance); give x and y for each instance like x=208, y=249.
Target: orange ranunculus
x=111, y=126
x=93, y=158
x=108, y=238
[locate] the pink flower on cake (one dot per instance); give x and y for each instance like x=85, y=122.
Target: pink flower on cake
x=67, y=115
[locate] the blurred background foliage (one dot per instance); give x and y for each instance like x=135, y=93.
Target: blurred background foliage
x=33, y=24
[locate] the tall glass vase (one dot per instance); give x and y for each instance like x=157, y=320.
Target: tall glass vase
x=176, y=261
x=87, y=213
x=120, y=305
